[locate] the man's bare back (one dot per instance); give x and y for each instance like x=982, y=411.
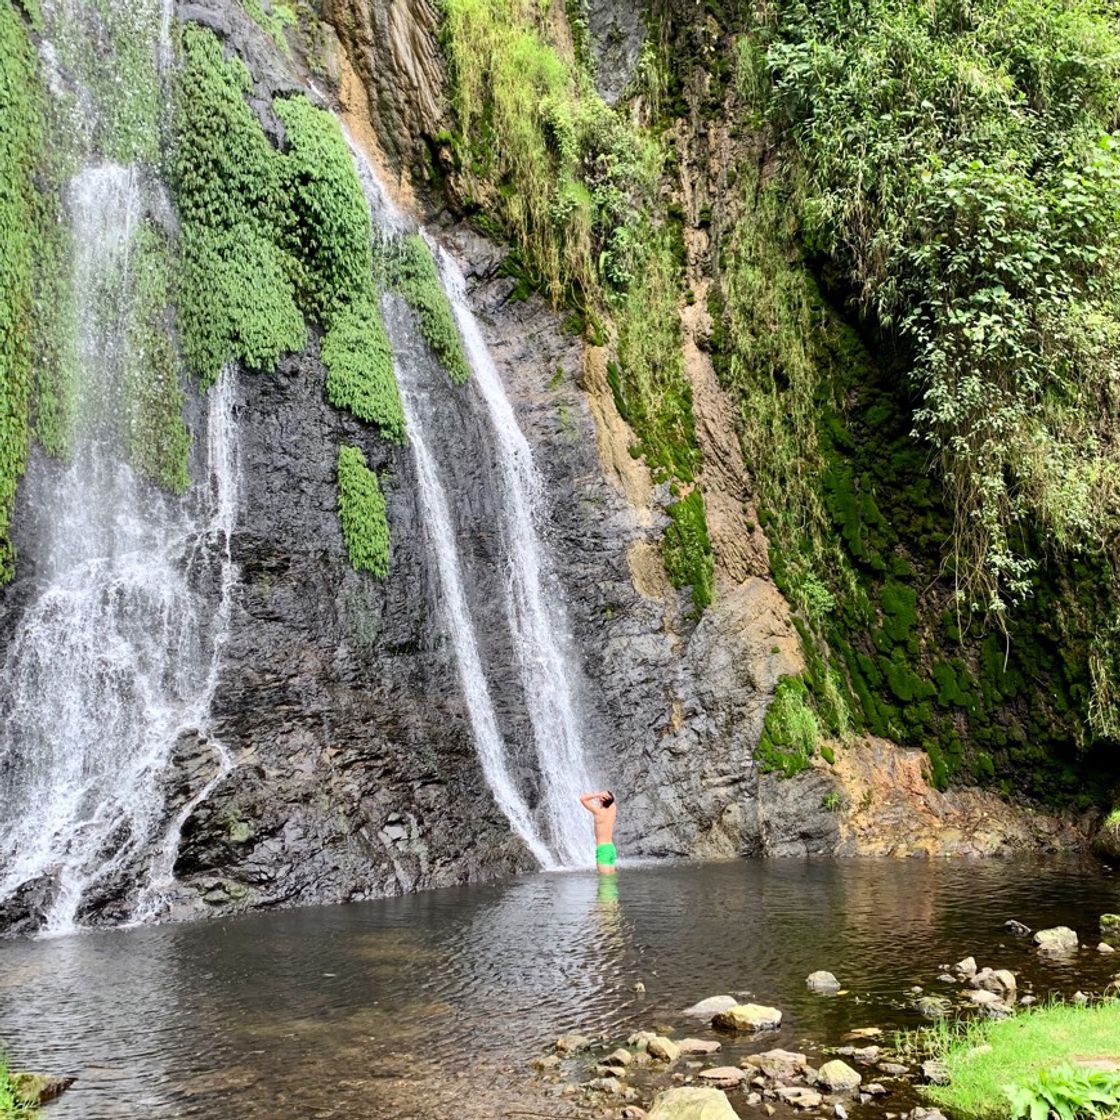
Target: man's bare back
x=603, y=808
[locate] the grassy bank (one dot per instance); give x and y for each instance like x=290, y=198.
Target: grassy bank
x=13, y=1105
x=987, y=1057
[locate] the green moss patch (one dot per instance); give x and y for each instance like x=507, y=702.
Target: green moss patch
x=361, y=509
x=410, y=271
x=791, y=733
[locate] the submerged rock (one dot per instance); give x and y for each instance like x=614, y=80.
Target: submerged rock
x=823, y=982
x=1059, y=939
x=1017, y=928
x=572, y=1043
x=748, y=1017
x=690, y=1103
x=698, y=1046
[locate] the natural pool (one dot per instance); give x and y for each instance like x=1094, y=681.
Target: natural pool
x=431, y=1005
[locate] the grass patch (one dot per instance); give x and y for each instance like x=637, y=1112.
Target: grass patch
x=1021, y=1048
x=791, y=732
x=13, y=1104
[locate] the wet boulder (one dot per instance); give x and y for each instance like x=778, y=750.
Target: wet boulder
x=713, y=1005
x=838, y=1077
x=663, y=1049
x=823, y=982
x=747, y=1017
x=1057, y=941
x=689, y=1103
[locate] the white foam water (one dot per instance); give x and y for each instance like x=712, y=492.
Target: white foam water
x=114, y=656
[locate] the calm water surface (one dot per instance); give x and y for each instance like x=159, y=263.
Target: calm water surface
x=431, y=1005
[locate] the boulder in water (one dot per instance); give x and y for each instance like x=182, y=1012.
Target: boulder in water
x=726, y=1077
x=572, y=1043
x=777, y=1064
x=1056, y=941
x=1110, y=926
x=838, y=1077
x=690, y=1103
x=966, y=967
x=706, y=1008
x=823, y=982
x=1017, y=928
x=800, y=1096
x=663, y=1049
x=748, y=1017
x=619, y=1058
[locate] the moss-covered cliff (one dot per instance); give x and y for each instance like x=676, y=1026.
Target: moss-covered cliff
x=902, y=224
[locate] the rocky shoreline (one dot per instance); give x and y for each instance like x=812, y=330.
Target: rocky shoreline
x=718, y=1062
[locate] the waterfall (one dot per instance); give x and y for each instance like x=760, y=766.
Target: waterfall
x=536, y=617
x=557, y=831
x=115, y=655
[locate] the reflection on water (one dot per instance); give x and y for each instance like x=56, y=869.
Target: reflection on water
x=430, y=1005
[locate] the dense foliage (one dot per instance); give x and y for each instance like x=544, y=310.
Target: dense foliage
x=574, y=183
x=959, y=161
x=270, y=236
x=361, y=509
x=21, y=122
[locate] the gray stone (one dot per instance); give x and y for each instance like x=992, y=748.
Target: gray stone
x=641, y=1039
x=620, y=1057
x=1058, y=940
x=983, y=997
x=998, y=980
x=933, y=1007
x=706, y=1008
x=838, y=1077
x=966, y=967
x=690, y=1103
x=1104, y=947
x=745, y=1017
x=935, y=1072
x=823, y=982
x=1017, y=928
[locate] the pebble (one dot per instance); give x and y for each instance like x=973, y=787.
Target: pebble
x=947, y=978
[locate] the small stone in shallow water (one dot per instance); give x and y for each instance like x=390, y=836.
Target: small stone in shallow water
x=697, y=1046
x=1079, y=997
x=838, y=1077
x=618, y=1057
x=1104, y=947
x=777, y=1063
x=748, y=1017
x=967, y=967
x=947, y=978
x=640, y=1039
x=933, y=1007
x=1000, y=980
x=800, y=1097
x=663, y=1049
x=823, y=982
x=875, y=1089
x=1017, y=928
x=982, y=997
x=572, y=1043
x=706, y=1008
x=691, y=1104
x=754, y=1098
x=723, y=1076
x=1059, y=939
x=639, y=987
x=893, y=1069
x=865, y=1032
x=549, y=1061
x=840, y=1112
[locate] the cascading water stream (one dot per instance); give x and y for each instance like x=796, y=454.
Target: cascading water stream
x=536, y=616
x=115, y=655
x=558, y=832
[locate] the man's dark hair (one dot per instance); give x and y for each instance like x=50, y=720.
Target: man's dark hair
x=607, y=801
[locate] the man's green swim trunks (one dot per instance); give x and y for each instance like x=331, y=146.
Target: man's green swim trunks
x=605, y=854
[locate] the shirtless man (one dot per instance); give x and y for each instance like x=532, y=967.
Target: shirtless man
x=602, y=807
